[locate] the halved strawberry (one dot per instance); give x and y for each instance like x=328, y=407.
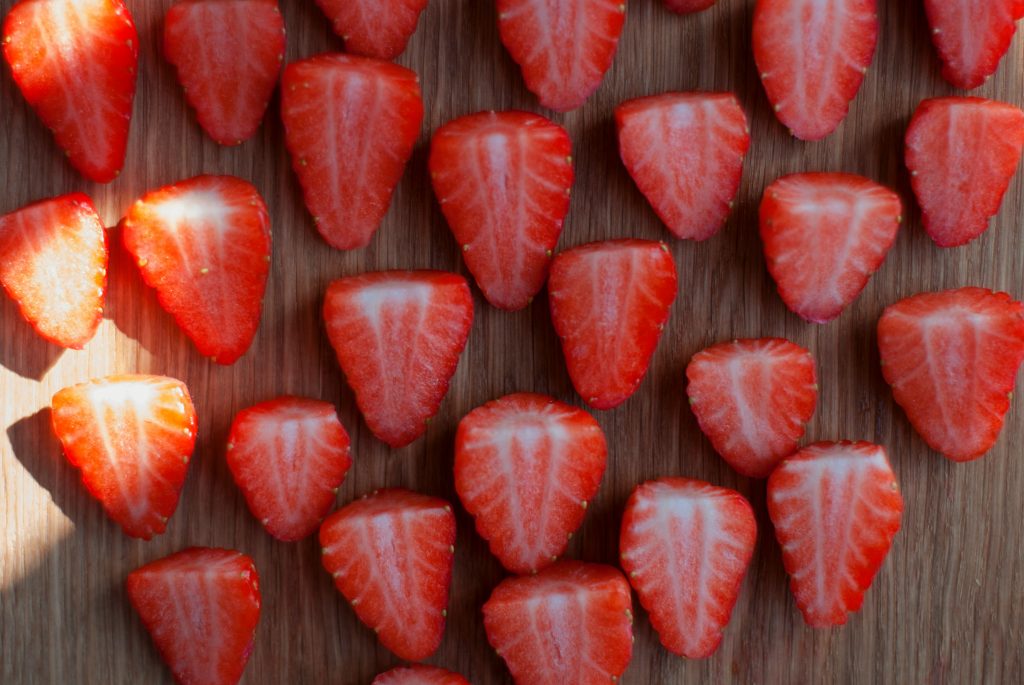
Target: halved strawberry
x=971, y=36
x=390, y=554
x=836, y=507
x=375, y=28
x=753, y=399
x=75, y=63
x=688, y=6
x=53, y=264
x=962, y=154
x=132, y=438
x=952, y=358
x=570, y=623
x=204, y=245
x=685, y=153
x=502, y=180
x=685, y=546
x=398, y=336
x=525, y=468
x=350, y=125
x=609, y=303
x=201, y=607
x=418, y=674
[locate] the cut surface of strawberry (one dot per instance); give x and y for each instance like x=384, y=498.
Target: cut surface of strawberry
x=375, y=28
x=688, y=6
x=419, y=674
x=971, y=36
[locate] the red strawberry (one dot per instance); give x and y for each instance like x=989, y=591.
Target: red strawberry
x=228, y=54
x=836, y=507
x=390, y=554
x=200, y=606
x=962, y=154
x=824, y=236
x=685, y=546
x=685, y=153
x=204, y=245
x=289, y=455
x=398, y=336
x=951, y=359
x=609, y=303
x=418, y=674
x=350, y=125
x=971, y=36
x=687, y=6
x=753, y=399
x=375, y=28
x=503, y=180
x=570, y=623
x=75, y=62
x=563, y=47
x=132, y=438
x=812, y=57
x=525, y=468
x=53, y=263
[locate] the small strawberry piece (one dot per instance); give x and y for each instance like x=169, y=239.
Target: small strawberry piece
x=75, y=63
x=688, y=6
x=609, y=303
x=288, y=456
x=398, y=336
x=685, y=153
x=753, y=399
x=53, y=264
x=375, y=28
x=132, y=438
x=972, y=36
x=390, y=554
x=503, y=180
x=350, y=126
x=685, y=546
x=962, y=154
x=418, y=674
x=204, y=245
x=952, y=358
x=570, y=623
x=836, y=507
x=525, y=468
x=200, y=606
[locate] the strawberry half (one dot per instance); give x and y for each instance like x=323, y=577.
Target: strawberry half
x=812, y=57
x=228, y=54
x=952, y=358
x=398, y=336
x=972, y=36
x=685, y=546
x=685, y=153
x=502, y=180
x=201, y=607
x=836, y=507
x=525, y=468
x=753, y=399
x=204, y=245
x=350, y=125
x=824, y=236
x=418, y=674
x=390, y=554
x=688, y=6
x=288, y=456
x=132, y=438
x=375, y=28
x=570, y=623
x=609, y=303
x=53, y=264
x=962, y=154
x=75, y=63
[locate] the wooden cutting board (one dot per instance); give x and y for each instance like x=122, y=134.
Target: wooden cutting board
x=947, y=607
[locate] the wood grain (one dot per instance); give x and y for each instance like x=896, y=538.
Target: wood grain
x=947, y=607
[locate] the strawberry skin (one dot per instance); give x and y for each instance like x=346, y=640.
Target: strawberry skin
x=971, y=36
x=418, y=674
x=374, y=28
x=688, y=6
x=503, y=180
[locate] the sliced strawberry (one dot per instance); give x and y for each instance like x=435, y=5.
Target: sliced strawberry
x=503, y=180
x=685, y=546
x=350, y=125
x=418, y=674
x=132, y=438
x=952, y=358
x=398, y=336
x=962, y=154
x=836, y=507
x=971, y=36
x=390, y=554
x=685, y=153
x=204, y=245
x=688, y=6
x=375, y=28
x=525, y=468
x=75, y=63
x=609, y=303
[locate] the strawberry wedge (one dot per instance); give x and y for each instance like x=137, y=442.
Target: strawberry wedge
x=971, y=36
x=419, y=674
x=374, y=28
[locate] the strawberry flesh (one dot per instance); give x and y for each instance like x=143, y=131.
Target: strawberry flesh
x=374, y=28
x=688, y=6
x=971, y=36
x=419, y=674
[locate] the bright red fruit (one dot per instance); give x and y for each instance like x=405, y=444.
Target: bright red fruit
x=971, y=36
x=418, y=674
x=688, y=6
x=375, y=28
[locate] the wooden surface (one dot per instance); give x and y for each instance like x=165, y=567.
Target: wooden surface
x=946, y=608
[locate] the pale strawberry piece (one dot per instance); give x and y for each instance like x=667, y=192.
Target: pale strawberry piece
x=971, y=36
x=688, y=6
x=375, y=28
x=419, y=674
